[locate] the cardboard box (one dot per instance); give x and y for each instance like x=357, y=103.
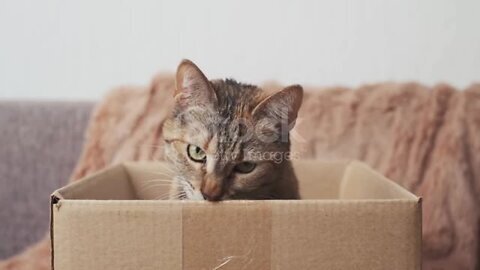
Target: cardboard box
x=350, y=218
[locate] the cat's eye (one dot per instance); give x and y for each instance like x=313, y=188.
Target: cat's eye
x=245, y=167
x=196, y=153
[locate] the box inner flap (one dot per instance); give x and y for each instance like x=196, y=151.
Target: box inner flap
x=361, y=182
x=317, y=180
x=108, y=184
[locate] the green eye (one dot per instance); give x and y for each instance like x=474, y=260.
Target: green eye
x=196, y=153
x=245, y=167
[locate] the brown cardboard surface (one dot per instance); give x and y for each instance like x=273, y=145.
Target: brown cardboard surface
x=117, y=235
x=235, y=234
x=320, y=180
x=345, y=235
x=351, y=218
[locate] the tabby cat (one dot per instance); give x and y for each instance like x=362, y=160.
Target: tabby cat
x=228, y=140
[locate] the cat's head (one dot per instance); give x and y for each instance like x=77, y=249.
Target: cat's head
x=228, y=140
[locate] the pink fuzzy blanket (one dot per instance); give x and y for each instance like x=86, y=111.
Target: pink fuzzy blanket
x=426, y=139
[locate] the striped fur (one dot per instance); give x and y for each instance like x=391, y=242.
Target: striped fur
x=233, y=123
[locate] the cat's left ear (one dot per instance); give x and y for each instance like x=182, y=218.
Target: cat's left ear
x=192, y=87
x=282, y=106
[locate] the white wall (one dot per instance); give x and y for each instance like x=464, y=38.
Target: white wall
x=59, y=49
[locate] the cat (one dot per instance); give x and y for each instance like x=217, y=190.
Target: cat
x=227, y=140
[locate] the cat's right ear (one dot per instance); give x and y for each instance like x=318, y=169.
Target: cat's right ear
x=192, y=88
x=281, y=107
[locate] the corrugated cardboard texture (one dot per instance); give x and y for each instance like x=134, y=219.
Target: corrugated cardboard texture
x=232, y=235
x=118, y=235
x=345, y=235
x=359, y=220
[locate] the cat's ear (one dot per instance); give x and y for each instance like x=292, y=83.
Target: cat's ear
x=192, y=87
x=281, y=107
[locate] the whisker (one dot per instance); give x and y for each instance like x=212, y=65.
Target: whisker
x=166, y=166
x=168, y=175
x=163, y=196
x=158, y=185
x=166, y=171
x=169, y=196
x=158, y=181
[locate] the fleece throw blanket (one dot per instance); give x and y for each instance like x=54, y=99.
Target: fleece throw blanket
x=426, y=139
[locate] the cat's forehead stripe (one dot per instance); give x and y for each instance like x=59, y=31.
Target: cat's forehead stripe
x=211, y=145
x=211, y=163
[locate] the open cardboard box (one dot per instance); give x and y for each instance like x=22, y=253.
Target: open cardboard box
x=350, y=218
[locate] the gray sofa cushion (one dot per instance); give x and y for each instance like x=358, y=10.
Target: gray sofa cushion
x=39, y=145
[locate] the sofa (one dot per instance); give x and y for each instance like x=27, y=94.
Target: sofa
x=40, y=143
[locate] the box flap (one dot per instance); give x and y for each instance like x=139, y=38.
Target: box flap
x=150, y=180
x=361, y=182
x=109, y=184
x=319, y=179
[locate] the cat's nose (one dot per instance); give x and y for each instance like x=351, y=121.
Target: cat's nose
x=211, y=190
